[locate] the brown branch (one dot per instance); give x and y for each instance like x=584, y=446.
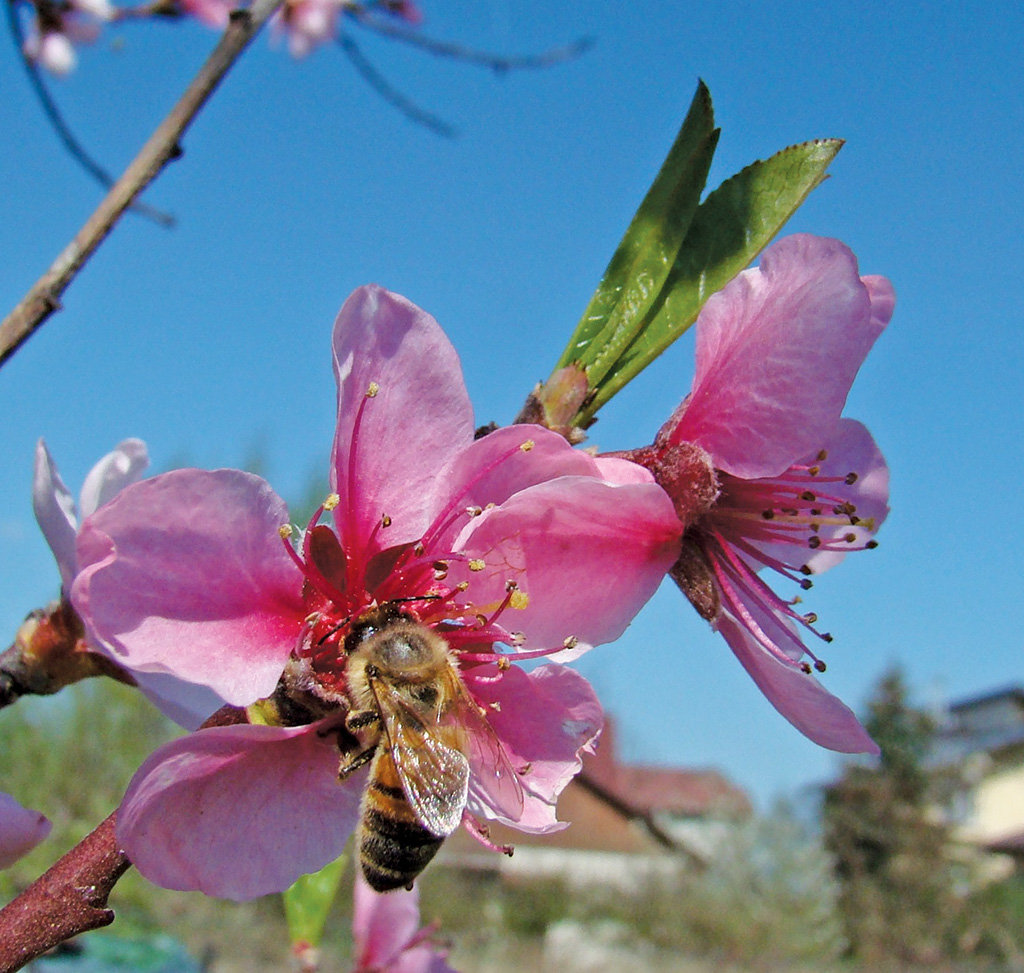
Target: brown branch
x=49, y=652
x=632, y=813
x=163, y=145
x=68, y=899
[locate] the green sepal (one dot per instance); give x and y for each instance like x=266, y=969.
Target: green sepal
x=730, y=228
x=647, y=253
x=308, y=902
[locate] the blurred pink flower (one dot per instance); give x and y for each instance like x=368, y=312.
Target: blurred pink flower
x=57, y=26
x=386, y=936
x=763, y=471
x=307, y=24
x=20, y=830
x=213, y=13
x=515, y=538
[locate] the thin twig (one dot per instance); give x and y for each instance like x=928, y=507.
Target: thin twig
x=56, y=119
x=496, y=62
x=163, y=145
x=389, y=93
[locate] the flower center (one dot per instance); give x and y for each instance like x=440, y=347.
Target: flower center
x=338, y=593
x=772, y=523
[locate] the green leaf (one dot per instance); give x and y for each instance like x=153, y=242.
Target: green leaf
x=730, y=228
x=647, y=252
x=309, y=900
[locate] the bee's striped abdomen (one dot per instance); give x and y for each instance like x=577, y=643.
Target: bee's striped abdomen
x=394, y=847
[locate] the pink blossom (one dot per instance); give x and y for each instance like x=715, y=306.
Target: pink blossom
x=58, y=519
x=20, y=830
x=58, y=26
x=55, y=508
x=307, y=24
x=213, y=13
x=387, y=937
x=763, y=471
x=515, y=539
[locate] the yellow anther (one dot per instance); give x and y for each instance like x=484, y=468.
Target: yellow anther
x=462, y=586
x=285, y=531
x=528, y=445
x=385, y=521
x=332, y=501
x=496, y=706
x=519, y=599
x=503, y=664
x=372, y=390
x=477, y=565
x=571, y=642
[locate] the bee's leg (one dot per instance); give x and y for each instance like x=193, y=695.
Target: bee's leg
x=354, y=763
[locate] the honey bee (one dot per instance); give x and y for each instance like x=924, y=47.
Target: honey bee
x=420, y=730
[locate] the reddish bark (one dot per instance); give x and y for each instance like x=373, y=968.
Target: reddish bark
x=70, y=898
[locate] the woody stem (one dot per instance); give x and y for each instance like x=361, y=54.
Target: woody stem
x=163, y=146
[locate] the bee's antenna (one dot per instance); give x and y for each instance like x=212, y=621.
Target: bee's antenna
x=336, y=628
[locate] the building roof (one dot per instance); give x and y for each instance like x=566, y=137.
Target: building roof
x=620, y=807
x=677, y=791
x=986, y=723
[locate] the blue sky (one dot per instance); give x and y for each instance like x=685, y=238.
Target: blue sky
x=298, y=184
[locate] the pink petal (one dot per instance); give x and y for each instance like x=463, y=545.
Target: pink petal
x=545, y=719
x=777, y=351
x=239, y=811
x=421, y=959
x=124, y=465
x=187, y=703
x=53, y=50
x=588, y=554
x=496, y=467
x=389, y=446
x=213, y=13
x=20, y=830
x=614, y=469
x=186, y=574
x=55, y=512
x=798, y=696
x=850, y=449
x=382, y=923
x=853, y=449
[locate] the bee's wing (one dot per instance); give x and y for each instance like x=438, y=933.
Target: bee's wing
x=494, y=780
x=434, y=775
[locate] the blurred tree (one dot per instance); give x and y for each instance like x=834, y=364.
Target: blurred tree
x=884, y=825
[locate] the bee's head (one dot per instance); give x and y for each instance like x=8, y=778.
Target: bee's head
x=372, y=623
